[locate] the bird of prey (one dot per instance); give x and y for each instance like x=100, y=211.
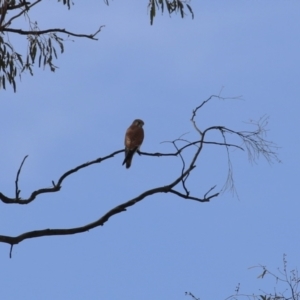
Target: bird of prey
x=133, y=140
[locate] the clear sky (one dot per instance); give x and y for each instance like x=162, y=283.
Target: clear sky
x=163, y=246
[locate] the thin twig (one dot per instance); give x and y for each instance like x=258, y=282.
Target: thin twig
x=158, y=154
x=230, y=180
x=10, y=252
x=212, y=188
x=205, y=199
x=56, y=186
x=207, y=100
x=182, y=169
x=17, y=178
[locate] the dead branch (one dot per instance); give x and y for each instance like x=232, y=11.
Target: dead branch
x=56, y=186
x=253, y=140
x=100, y=222
x=158, y=154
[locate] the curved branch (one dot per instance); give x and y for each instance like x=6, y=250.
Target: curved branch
x=100, y=222
x=56, y=186
x=253, y=140
x=183, y=168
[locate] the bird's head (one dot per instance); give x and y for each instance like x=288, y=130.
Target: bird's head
x=138, y=122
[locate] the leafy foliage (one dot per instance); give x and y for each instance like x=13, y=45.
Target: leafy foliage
x=40, y=43
x=66, y=2
x=39, y=47
x=171, y=6
x=7, y=64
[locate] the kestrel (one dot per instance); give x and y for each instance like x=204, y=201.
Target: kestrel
x=133, y=140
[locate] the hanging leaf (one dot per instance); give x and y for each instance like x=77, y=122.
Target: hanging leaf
x=3, y=81
x=152, y=11
x=191, y=11
x=171, y=5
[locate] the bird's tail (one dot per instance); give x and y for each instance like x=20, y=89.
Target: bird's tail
x=128, y=157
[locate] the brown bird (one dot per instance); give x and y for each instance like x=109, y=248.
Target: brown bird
x=133, y=140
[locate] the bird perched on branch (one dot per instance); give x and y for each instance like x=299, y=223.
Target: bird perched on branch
x=133, y=140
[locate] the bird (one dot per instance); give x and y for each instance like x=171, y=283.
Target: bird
x=133, y=140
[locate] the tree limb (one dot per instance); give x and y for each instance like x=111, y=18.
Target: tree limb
x=252, y=140
x=40, y=32
x=56, y=186
x=100, y=222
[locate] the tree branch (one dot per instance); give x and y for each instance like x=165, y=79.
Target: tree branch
x=186, y=196
x=252, y=140
x=100, y=222
x=3, y=11
x=21, y=4
x=20, y=13
x=40, y=32
x=56, y=186
x=158, y=154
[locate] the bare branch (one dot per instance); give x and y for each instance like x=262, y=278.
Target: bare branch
x=158, y=154
x=40, y=32
x=229, y=181
x=100, y=222
x=56, y=187
x=205, y=199
x=254, y=141
x=183, y=163
x=212, y=188
x=289, y=278
x=207, y=100
x=17, y=178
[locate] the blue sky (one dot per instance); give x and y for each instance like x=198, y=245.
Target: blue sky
x=164, y=245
